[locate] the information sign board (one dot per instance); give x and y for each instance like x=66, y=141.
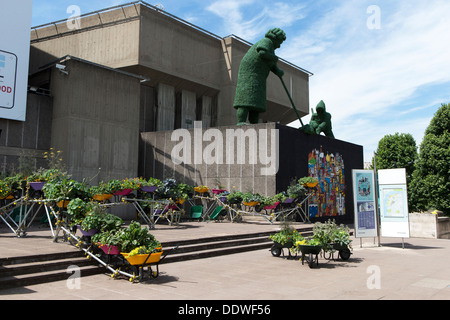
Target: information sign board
x=364, y=202
x=15, y=22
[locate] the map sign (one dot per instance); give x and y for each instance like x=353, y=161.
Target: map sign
x=394, y=216
x=392, y=202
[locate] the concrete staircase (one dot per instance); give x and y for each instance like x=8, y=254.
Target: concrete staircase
x=30, y=270
x=36, y=269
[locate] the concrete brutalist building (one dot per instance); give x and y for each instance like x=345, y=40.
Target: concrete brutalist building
x=128, y=70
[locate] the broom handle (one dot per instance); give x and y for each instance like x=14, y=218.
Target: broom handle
x=292, y=102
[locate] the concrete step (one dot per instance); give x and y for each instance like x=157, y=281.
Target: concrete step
x=35, y=269
x=45, y=277
x=218, y=246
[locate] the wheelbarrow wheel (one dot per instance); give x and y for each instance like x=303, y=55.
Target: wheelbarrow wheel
x=311, y=260
x=345, y=254
x=276, y=251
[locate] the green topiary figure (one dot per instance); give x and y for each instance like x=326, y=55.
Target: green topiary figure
x=321, y=121
x=250, y=99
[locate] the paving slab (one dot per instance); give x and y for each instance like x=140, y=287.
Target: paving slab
x=419, y=271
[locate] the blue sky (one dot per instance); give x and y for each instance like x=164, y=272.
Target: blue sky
x=381, y=66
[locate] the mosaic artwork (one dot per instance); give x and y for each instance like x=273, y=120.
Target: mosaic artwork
x=328, y=198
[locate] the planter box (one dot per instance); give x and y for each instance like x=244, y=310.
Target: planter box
x=429, y=226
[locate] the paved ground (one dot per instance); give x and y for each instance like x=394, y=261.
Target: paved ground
x=420, y=271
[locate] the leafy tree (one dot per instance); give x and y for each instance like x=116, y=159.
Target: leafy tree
x=431, y=180
x=397, y=151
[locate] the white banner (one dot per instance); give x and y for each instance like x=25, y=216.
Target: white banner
x=15, y=23
x=394, y=216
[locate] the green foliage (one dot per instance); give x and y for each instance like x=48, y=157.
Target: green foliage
x=296, y=190
x=286, y=235
x=136, y=236
x=431, y=180
x=329, y=232
x=77, y=210
x=57, y=189
x=397, y=151
x=235, y=197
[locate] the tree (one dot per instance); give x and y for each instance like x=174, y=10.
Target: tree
x=431, y=179
x=397, y=151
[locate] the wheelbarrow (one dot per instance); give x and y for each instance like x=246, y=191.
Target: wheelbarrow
x=277, y=248
x=140, y=265
x=310, y=253
x=343, y=251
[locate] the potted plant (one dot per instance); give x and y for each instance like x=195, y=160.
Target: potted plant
x=184, y=191
x=113, y=186
x=310, y=249
x=127, y=186
x=93, y=221
x=77, y=210
x=37, y=179
x=296, y=190
x=285, y=238
x=201, y=189
x=168, y=189
x=62, y=191
x=109, y=241
x=5, y=188
x=333, y=238
x=137, y=243
x=252, y=199
x=309, y=182
x=149, y=185
x=100, y=192
x=235, y=197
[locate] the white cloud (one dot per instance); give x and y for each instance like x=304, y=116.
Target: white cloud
x=249, y=19
x=366, y=76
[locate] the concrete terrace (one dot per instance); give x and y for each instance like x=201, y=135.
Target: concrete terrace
x=417, y=272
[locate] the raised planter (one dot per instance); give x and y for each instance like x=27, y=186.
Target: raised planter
x=429, y=226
